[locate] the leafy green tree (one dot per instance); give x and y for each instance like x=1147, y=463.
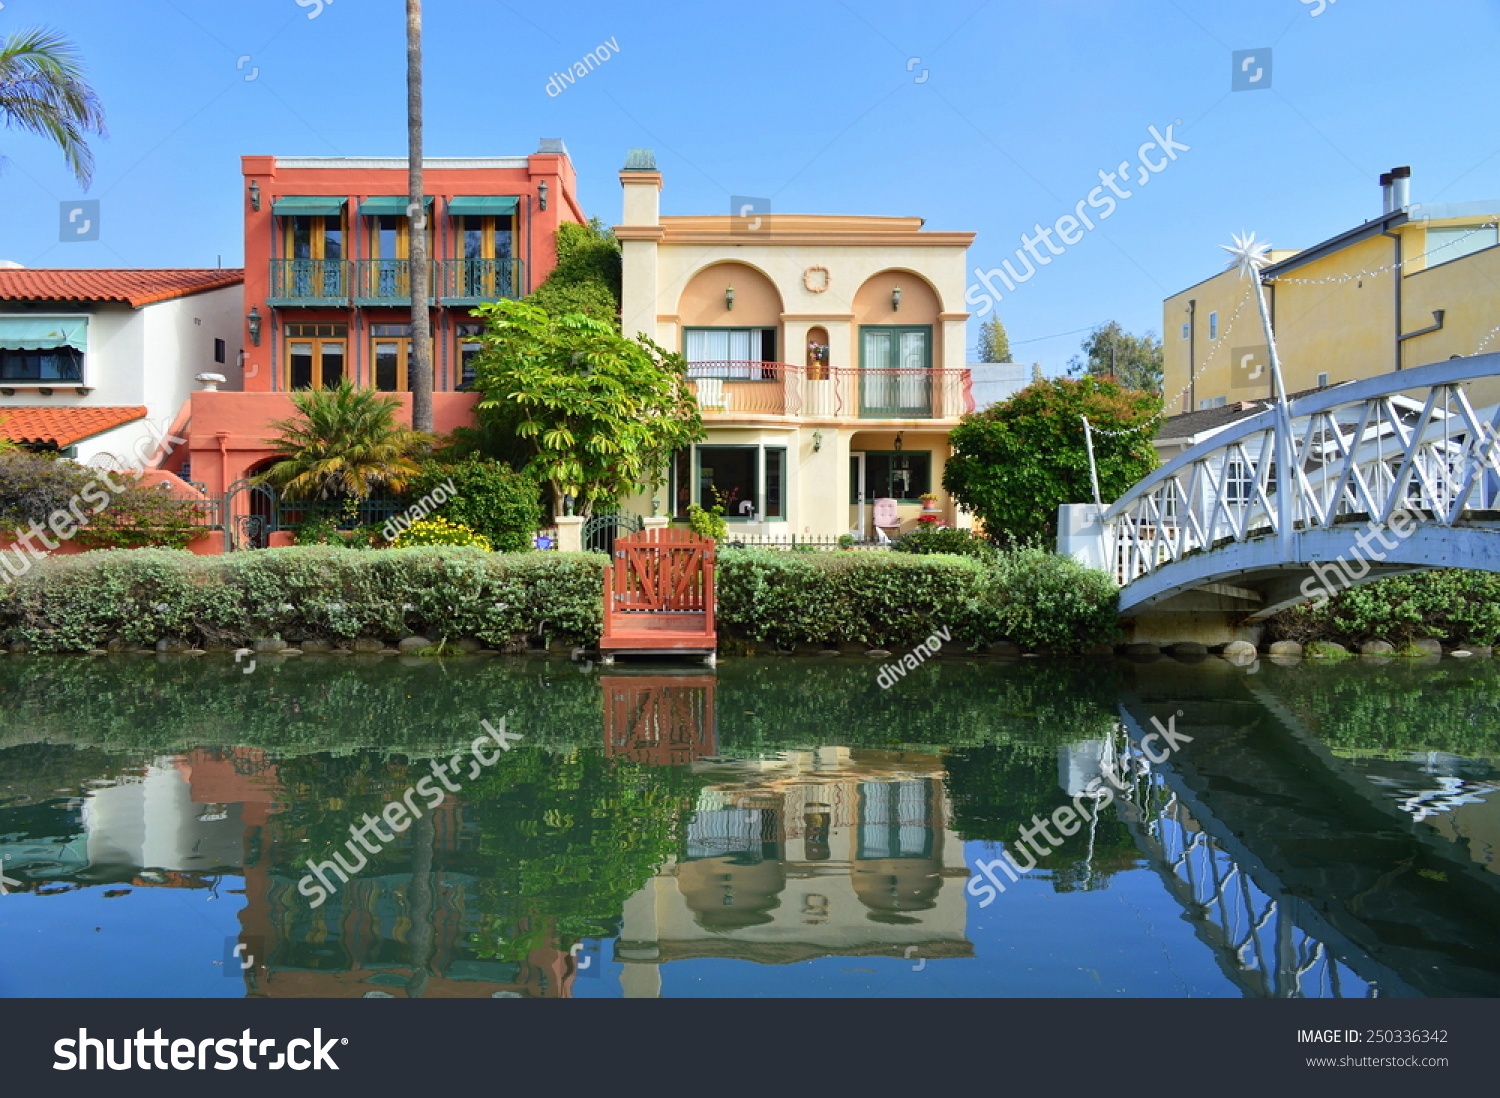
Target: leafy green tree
x=994, y=344
x=1014, y=463
x=42, y=91
x=586, y=278
x=600, y=413
x=343, y=443
x=1110, y=351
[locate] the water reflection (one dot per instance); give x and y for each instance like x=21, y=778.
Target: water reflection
x=1328, y=832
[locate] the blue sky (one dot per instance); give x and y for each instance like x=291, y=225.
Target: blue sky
x=1005, y=119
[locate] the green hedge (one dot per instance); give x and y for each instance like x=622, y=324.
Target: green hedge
x=1453, y=605
x=1033, y=598
x=138, y=596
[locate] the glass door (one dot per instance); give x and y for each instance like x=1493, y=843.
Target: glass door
x=389, y=352
x=895, y=371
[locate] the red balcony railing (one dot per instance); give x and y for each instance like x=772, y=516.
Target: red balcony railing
x=742, y=388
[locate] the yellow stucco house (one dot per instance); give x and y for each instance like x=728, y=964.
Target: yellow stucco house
x=1418, y=284
x=827, y=355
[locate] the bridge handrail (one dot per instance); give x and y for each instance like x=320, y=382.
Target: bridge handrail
x=1449, y=372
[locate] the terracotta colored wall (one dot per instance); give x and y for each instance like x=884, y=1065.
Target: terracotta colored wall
x=757, y=304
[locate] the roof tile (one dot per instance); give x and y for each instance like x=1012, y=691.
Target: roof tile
x=134, y=287
x=63, y=426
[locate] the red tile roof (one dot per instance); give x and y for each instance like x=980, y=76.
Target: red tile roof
x=62, y=426
x=136, y=288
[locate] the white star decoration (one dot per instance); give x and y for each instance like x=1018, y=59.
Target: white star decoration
x=1248, y=254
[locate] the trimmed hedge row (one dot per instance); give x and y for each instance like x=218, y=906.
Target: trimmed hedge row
x=137, y=597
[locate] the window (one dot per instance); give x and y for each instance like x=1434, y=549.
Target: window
x=1211, y=402
x=315, y=246
x=468, y=349
x=1239, y=482
x=1446, y=245
x=221, y=350
x=390, y=348
x=732, y=353
x=315, y=355
x=1322, y=381
x=1213, y=325
x=901, y=475
x=1186, y=329
x=895, y=375
x=749, y=480
x=55, y=364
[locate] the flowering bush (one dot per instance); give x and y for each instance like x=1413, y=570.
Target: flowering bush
x=439, y=531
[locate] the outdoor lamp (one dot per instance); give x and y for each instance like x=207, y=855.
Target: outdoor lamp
x=541, y=194
x=896, y=299
x=729, y=297
x=567, y=504
x=254, y=319
x=255, y=195
x=897, y=443
x=817, y=439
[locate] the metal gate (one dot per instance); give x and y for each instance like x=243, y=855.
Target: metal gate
x=250, y=514
x=600, y=531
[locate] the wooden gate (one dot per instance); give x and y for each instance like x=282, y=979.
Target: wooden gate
x=659, y=594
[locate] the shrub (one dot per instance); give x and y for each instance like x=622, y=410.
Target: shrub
x=137, y=596
x=494, y=500
x=1033, y=598
x=144, y=515
x=708, y=522
x=923, y=539
x=439, y=531
x=32, y=486
x=1453, y=605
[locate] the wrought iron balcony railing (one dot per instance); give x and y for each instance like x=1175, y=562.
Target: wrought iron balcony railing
x=742, y=388
x=474, y=281
x=309, y=282
x=386, y=281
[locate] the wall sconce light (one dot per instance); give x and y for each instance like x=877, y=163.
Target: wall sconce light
x=817, y=439
x=255, y=195
x=254, y=319
x=567, y=504
x=729, y=298
x=896, y=299
x=541, y=194
x=897, y=444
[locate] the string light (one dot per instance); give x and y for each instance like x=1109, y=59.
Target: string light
x=1382, y=270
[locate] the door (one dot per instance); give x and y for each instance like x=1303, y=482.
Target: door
x=486, y=268
x=857, y=487
x=895, y=377
x=316, y=247
x=390, y=346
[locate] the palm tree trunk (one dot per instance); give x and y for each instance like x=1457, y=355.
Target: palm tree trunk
x=420, y=367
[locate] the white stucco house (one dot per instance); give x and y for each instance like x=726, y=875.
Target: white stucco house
x=98, y=364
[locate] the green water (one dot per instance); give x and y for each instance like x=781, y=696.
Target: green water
x=772, y=828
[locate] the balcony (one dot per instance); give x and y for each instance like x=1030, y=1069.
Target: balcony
x=475, y=281
x=386, y=281
x=309, y=282
x=737, y=390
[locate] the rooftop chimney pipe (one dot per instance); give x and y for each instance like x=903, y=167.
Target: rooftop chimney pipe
x=1400, y=188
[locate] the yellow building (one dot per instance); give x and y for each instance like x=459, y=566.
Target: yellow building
x=827, y=356
x=1418, y=284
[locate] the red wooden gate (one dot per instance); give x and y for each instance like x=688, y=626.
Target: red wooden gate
x=659, y=593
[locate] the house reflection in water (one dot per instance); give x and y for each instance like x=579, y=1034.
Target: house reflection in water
x=829, y=852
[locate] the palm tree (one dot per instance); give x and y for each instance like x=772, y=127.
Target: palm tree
x=344, y=443
x=421, y=330
x=42, y=91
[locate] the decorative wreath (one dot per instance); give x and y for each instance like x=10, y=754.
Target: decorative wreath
x=809, y=275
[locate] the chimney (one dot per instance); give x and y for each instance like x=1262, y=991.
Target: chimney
x=1400, y=188
x=1395, y=190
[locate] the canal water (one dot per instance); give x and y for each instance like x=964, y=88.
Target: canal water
x=485, y=827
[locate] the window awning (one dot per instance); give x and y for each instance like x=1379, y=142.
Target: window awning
x=318, y=205
x=388, y=205
x=43, y=333
x=482, y=205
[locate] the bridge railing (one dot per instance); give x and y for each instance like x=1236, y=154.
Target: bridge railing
x=1358, y=452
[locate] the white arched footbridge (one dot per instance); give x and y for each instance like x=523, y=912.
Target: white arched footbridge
x=1391, y=474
